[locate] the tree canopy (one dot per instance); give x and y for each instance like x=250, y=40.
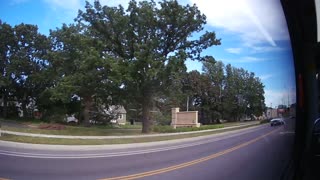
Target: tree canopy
x=224, y=92
x=151, y=41
x=133, y=57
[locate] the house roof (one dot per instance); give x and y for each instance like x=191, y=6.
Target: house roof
x=117, y=109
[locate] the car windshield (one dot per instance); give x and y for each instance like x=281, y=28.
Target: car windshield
x=164, y=89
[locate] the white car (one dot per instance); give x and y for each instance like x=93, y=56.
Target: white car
x=113, y=121
x=71, y=119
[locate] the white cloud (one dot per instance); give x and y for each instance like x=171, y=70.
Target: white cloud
x=265, y=49
x=266, y=76
x=71, y=5
x=250, y=59
x=256, y=21
x=277, y=97
x=234, y=50
x=245, y=59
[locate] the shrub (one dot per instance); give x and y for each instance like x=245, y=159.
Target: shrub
x=162, y=119
x=169, y=129
x=264, y=121
x=56, y=118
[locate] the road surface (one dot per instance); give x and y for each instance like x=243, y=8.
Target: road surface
x=261, y=152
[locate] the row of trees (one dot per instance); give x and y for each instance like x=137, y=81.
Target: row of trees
x=134, y=57
x=224, y=92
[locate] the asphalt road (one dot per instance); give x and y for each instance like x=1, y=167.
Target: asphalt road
x=261, y=152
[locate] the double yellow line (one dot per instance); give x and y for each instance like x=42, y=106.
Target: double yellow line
x=186, y=164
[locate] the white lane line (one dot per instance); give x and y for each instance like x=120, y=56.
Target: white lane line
x=116, y=154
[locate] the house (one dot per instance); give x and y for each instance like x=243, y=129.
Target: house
x=119, y=114
x=272, y=113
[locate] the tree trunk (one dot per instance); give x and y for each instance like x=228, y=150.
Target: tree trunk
x=5, y=106
x=24, y=106
x=24, y=110
x=146, y=120
x=87, y=106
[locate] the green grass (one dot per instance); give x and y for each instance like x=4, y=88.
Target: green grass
x=60, y=141
x=169, y=129
x=128, y=126
x=108, y=130
x=78, y=131
x=228, y=124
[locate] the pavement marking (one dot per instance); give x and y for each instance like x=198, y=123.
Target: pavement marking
x=186, y=164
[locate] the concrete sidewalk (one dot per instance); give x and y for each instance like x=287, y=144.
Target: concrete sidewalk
x=120, y=137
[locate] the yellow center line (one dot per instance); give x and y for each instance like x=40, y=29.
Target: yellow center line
x=186, y=164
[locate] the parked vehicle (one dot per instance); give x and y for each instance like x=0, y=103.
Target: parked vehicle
x=71, y=119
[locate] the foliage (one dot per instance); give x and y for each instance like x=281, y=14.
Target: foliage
x=265, y=121
x=134, y=57
x=83, y=71
x=23, y=64
x=169, y=129
x=162, y=118
x=223, y=92
x=152, y=41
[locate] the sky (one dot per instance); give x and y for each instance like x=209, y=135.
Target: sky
x=253, y=34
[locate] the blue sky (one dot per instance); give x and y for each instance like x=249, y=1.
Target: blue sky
x=253, y=32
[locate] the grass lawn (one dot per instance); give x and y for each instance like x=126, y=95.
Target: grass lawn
x=36, y=140
x=228, y=124
x=105, y=130
x=78, y=131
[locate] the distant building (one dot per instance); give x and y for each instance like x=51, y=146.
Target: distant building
x=272, y=113
x=282, y=110
x=119, y=113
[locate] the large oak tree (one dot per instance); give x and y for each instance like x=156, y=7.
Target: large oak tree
x=153, y=41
